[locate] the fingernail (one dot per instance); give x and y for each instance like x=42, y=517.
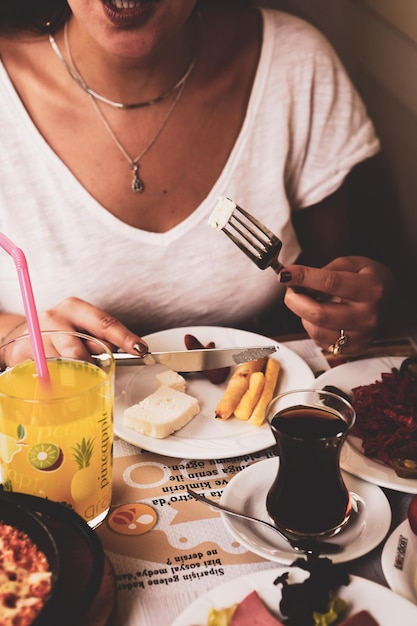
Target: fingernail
x=141, y=347
x=285, y=277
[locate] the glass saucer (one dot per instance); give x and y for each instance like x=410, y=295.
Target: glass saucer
x=247, y=492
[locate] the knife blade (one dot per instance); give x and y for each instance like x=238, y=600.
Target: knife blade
x=197, y=360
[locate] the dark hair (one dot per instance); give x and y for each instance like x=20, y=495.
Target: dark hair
x=41, y=16
x=47, y=16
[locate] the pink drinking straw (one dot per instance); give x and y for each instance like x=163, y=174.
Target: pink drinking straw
x=29, y=304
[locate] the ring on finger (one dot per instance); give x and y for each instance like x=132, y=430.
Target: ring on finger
x=336, y=348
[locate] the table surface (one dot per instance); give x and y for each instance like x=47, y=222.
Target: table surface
x=167, y=549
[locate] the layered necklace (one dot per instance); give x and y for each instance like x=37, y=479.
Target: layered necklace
x=137, y=185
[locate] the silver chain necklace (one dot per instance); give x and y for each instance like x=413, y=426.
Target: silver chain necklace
x=76, y=76
x=137, y=185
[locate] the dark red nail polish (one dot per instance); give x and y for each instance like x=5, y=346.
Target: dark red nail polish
x=141, y=347
x=285, y=277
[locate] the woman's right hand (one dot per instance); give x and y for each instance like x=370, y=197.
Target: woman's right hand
x=357, y=290
x=78, y=315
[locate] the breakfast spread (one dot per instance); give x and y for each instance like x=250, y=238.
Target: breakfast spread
x=250, y=388
x=386, y=420
x=362, y=618
x=215, y=376
x=316, y=595
x=221, y=213
x=25, y=578
x=315, y=601
x=169, y=378
x=253, y=612
x=162, y=413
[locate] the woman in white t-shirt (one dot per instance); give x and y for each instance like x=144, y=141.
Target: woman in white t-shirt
x=123, y=121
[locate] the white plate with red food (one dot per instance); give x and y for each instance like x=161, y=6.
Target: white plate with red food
x=399, y=556
x=386, y=607
x=353, y=460
x=247, y=491
x=205, y=437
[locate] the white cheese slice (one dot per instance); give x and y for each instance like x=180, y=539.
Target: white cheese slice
x=221, y=213
x=169, y=378
x=162, y=413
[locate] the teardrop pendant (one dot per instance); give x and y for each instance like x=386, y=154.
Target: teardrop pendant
x=137, y=184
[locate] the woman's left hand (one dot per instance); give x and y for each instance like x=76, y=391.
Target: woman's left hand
x=355, y=293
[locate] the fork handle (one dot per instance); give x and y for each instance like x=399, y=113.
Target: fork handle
x=311, y=293
x=276, y=265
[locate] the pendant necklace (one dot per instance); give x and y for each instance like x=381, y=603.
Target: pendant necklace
x=137, y=184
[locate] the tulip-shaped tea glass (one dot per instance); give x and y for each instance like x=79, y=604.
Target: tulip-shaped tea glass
x=309, y=497
x=56, y=435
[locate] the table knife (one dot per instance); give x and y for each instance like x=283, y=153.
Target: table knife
x=197, y=360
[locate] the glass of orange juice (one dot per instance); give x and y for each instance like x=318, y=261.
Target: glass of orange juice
x=56, y=437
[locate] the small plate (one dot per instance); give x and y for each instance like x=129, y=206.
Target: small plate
x=399, y=561
x=383, y=604
x=247, y=491
x=204, y=437
x=352, y=459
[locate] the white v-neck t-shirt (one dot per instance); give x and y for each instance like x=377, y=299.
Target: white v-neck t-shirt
x=304, y=130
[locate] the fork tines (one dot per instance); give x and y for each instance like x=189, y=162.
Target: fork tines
x=252, y=237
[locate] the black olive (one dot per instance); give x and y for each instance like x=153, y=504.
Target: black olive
x=409, y=365
x=338, y=392
x=405, y=468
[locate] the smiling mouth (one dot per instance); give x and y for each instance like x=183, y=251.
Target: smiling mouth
x=128, y=13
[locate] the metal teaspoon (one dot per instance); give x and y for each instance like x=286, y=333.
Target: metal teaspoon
x=302, y=545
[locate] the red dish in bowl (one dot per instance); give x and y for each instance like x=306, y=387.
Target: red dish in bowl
x=30, y=561
x=72, y=548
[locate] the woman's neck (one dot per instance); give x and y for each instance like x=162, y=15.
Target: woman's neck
x=133, y=79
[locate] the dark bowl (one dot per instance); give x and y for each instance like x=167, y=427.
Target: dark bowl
x=73, y=549
x=15, y=514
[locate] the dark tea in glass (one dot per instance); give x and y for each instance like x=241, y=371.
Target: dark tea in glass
x=309, y=497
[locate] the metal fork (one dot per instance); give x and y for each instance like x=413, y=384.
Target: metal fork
x=259, y=243
x=254, y=239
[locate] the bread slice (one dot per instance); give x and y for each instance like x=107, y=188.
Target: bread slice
x=162, y=413
x=169, y=378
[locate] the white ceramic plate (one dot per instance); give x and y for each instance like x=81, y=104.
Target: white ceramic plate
x=352, y=459
x=247, y=491
x=383, y=604
x=399, y=561
x=204, y=437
